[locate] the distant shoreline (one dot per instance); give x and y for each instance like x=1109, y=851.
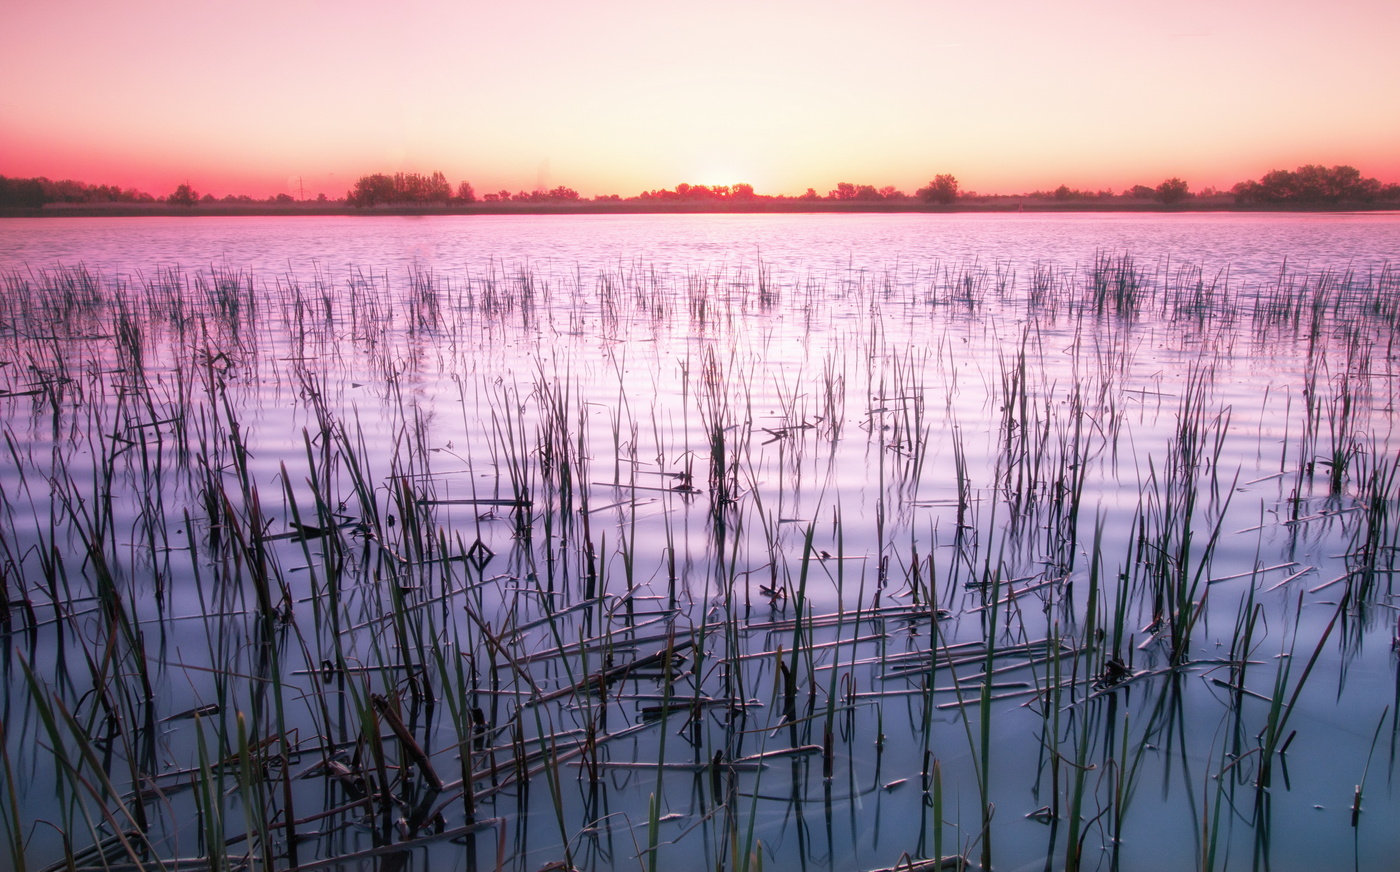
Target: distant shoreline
x=591, y=207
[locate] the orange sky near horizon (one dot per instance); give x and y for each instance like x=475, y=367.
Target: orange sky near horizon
x=621, y=96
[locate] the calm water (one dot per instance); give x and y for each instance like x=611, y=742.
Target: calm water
x=1149, y=459
x=1253, y=247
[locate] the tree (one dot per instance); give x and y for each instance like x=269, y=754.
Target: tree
x=38, y=191
x=844, y=191
x=431, y=189
x=23, y=193
x=371, y=190
x=942, y=190
x=1310, y=185
x=1173, y=190
x=465, y=194
x=1140, y=192
x=184, y=196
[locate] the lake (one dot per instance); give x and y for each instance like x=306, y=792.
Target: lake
x=666, y=542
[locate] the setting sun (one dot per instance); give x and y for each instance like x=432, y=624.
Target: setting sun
x=712, y=177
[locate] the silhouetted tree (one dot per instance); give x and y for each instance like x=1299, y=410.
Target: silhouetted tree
x=1140, y=192
x=1310, y=185
x=373, y=190
x=943, y=190
x=40, y=190
x=700, y=193
x=465, y=194
x=1065, y=193
x=1173, y=190
x=21, y=193
x=184, y=196
x=431, y=189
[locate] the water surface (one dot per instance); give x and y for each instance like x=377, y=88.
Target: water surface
x=1015, y=533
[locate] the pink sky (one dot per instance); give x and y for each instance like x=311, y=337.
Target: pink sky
x=617, y=97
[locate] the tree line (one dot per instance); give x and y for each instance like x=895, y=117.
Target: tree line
x=1307, y=186
x=36, y=192
x=1314, y=185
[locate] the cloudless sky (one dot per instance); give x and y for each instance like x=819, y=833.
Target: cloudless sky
x=618, y=96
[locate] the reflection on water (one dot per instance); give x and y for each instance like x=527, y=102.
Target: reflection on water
x=815, y=542
x=827, y=248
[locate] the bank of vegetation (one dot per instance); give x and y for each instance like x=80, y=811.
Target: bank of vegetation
x=1309, y=187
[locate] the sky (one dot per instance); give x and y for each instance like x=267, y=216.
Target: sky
x=620, y=96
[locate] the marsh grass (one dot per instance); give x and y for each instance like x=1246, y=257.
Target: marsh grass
x=730, y=569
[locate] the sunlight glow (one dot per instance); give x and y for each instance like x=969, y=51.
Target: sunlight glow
x=626, y=96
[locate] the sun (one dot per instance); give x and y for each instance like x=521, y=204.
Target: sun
x=716, y=175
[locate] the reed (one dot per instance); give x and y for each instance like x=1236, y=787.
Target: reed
x=333, y=569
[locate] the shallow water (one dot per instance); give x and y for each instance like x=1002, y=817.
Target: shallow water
x=1254, y=247
x=741, y=433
